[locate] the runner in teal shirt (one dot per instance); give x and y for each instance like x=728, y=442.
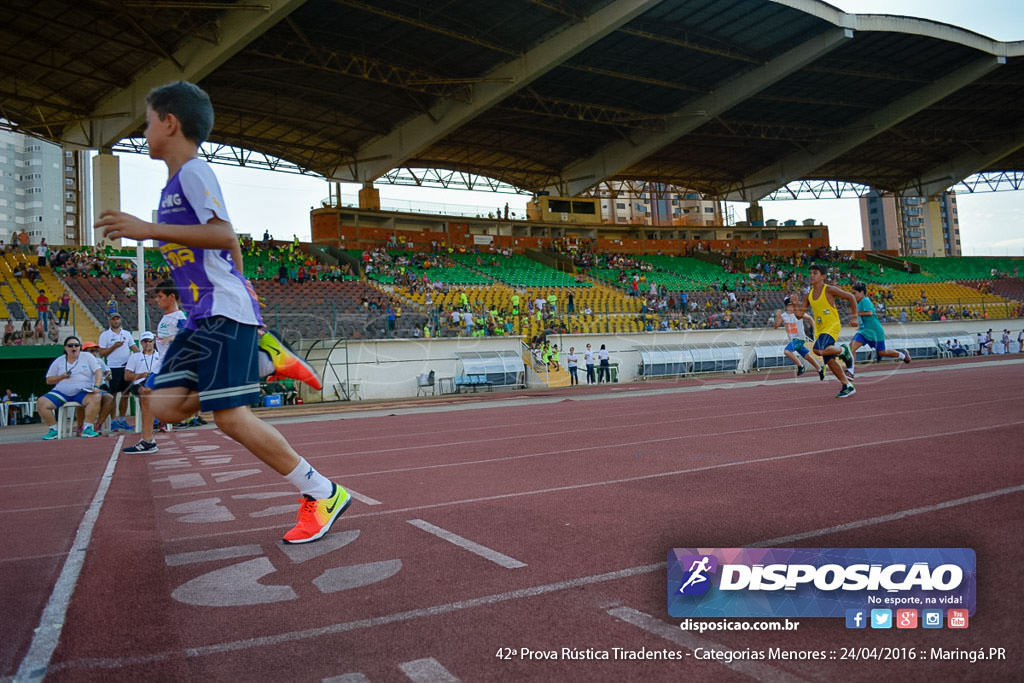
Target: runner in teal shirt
x=870, y=331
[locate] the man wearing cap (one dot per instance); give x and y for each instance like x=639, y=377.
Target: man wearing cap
x=140, y=368
x=116, y=347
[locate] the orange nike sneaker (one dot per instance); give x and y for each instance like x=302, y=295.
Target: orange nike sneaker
x=316, y=516
x=287, y=363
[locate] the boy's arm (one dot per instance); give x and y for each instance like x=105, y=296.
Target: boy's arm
x=801, y=308
x=216, y=234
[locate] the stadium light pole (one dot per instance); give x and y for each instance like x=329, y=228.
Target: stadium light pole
x=140, y=283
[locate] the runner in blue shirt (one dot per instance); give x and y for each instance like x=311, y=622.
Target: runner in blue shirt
x=870, y=331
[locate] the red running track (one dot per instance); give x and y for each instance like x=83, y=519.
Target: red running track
x=566, y=505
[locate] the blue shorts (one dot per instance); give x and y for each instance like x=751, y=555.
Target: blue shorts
x=217, y=359
x=798, y=346
x=58, y=399
x=876, y=345
x=823, y=342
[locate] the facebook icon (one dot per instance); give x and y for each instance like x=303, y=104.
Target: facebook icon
x=856, y=618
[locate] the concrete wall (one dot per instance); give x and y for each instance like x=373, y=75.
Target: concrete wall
x=388, y=368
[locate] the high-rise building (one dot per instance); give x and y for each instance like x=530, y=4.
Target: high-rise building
x=656, y=204
x=40, y=188
x=911, y=226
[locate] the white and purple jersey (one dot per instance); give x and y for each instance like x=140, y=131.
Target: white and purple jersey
x=207, y=280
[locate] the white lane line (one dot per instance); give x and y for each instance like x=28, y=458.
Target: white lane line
x=882, y=519
x=685, y=639
x=347, y=678
x=446, y=608
x=198, y=556
x=466, y=544
x=51, y=623
x=624, y=480
x=427, y=670
x=363, y=498
x=628, y=444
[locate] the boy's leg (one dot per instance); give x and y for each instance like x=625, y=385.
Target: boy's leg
x=174, y=404
x=322, y=501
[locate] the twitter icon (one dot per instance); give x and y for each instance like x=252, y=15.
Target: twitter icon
x=881, y=618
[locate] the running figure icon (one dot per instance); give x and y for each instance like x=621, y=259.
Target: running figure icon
x=697, y=570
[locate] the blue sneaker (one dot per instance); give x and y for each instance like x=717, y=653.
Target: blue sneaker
x=50, y=435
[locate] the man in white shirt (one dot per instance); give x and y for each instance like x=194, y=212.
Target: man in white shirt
x=75, y=377
x=141, y=366
x=116, y=346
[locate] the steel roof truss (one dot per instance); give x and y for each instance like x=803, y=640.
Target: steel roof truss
x=414, y=136
x=800, y=164
x=620, y=155
x=198, y=57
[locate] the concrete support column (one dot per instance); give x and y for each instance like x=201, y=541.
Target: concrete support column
x=106, y=190
x=369, y=197
x=755, y=214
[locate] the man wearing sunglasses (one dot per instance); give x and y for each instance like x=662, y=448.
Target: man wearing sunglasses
x=75, y=377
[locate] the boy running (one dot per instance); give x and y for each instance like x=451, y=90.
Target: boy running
x=821, y=300
x=795, y=330
x=870, y=331
x=212, y=362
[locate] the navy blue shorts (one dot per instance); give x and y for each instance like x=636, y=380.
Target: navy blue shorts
x=218, y=360
x=823, y=342
x=876, y=345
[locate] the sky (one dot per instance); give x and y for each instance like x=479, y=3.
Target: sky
x=990, y=223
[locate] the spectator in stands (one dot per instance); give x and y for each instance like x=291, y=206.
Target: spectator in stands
x=556, y=357
x=64, y=308
x=43, y=310
x=26, y=332
x=53, y=335
x=42, y=251
x=23, y=241
x=10, y=333
x=3, y=248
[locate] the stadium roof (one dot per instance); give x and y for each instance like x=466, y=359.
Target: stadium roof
x=733, y=98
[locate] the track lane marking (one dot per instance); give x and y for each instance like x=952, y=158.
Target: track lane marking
x=483, y=551
x=34, y=665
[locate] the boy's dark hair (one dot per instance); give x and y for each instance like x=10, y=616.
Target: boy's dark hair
x=821, y=269
x=860, y=287
x=190, y=105
x=167, y=288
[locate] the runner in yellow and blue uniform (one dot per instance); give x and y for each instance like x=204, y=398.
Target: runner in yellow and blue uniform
x=821, y=300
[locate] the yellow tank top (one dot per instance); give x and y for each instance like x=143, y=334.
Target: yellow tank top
x=826, y=317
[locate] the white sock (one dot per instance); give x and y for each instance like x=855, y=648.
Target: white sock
x=87, y=425
x=266, y=365
x=309, y=482
x=900, y=356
